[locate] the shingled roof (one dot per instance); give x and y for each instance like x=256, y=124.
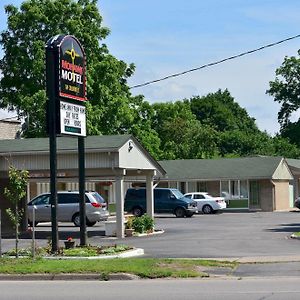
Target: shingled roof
x=259, y=167
x=101, y=143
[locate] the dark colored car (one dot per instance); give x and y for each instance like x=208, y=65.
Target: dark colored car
x=165, y=201
x=297, y=202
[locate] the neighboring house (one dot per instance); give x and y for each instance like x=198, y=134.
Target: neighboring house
x=264, y=183
x=9, y=129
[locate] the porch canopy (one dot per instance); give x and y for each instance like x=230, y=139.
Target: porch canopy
x=115, y=157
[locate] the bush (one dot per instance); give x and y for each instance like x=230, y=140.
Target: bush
x=141, y=224
x=138, y=224
x=148, y=223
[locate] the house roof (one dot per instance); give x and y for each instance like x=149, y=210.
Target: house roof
x=101, y=143
x=295, y=163
x=225, y=168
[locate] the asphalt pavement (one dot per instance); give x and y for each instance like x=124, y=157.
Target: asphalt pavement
x=261, y=241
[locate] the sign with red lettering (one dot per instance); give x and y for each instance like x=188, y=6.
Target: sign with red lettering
x=72, y=75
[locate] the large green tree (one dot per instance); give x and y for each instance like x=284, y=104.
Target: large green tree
x=182, y=135
x=22, y=85
x=286, y=90
x=221, y=111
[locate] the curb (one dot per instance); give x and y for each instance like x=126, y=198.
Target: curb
x=125, y=254
x=42, y=277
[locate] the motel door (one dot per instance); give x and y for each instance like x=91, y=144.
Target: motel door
x=254, y=201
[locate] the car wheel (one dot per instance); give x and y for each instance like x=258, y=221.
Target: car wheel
x=207, y=209
x=90, y=224
x=137, y=211
x=189, y=214
x=179, y=212
x=76, y=220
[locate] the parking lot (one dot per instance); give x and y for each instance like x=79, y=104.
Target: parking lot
x=223, y=235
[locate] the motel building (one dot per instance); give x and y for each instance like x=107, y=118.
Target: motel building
x=115, y=163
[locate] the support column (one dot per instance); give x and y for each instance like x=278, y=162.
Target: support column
x=150, y=196
x=120, y=206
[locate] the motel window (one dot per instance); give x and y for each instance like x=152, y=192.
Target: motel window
x=244, y=189
x=201, y=186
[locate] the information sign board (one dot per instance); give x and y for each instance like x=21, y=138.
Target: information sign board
x=72, y=119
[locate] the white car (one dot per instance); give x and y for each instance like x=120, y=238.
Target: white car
x=206, y=203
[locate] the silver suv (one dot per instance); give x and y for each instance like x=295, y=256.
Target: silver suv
x=68, y=208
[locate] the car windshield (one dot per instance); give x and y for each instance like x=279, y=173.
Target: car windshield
x=177, y=194
x=98, y=197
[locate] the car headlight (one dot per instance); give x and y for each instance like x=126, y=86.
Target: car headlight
x=192, y=204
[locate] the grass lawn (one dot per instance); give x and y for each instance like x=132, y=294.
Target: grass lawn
x=143, y=267
x=112, y=207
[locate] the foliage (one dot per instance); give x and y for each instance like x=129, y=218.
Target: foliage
x=220, y=111
x=200, y=127
x=129, y=222
x=140, y=224
x=22, y=85
x=80, y=251
x=182, y=136
x=286, y=88
x=15, y=192
x=148, y=223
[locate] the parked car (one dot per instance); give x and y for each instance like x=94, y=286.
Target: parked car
x=68, y=208
x=297, y=202
x=207, y=203
x=165, y=201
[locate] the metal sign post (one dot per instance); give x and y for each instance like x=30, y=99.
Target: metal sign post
x=33, y=231
x=81, y=164
x=0, y=236
x=52, y=87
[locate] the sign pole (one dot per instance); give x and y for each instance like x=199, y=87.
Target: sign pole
x=51, y=71
x=81, y=164
x=0, y=236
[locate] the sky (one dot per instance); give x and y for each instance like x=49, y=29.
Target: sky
x=170, y=36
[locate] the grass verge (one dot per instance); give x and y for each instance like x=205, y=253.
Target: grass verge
x=145, y=268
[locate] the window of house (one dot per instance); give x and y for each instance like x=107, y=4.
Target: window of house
x=225, y=189
x=234, y=188
x=244, y=189
x=201, y=186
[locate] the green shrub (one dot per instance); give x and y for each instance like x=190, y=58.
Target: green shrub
x=138, y=224
x=141, y=224
x=148, y=223
x=129, y=222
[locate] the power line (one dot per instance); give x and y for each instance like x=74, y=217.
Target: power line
x=215, y=63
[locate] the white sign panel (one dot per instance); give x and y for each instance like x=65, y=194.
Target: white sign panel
x=72, y=119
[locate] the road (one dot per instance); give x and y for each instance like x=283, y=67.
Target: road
x=228, y=289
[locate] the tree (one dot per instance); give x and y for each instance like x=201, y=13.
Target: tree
x=286, y=88
x=22, y=85
x=15, y=193
x=220, y=111
x=238, y=143
x=182, y=136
